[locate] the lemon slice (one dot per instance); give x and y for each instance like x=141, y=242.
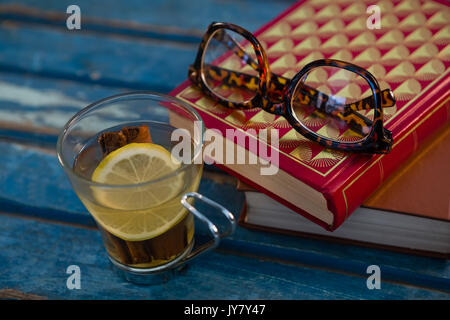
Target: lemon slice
x=140, y=225
x=135, y=163
x=143, y=211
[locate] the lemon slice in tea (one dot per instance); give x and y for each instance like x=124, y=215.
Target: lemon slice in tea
x=141, y=225
x=145, y=210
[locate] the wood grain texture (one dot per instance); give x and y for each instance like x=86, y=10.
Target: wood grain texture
x=48, y=73
x=25, y=192
x=92, y=59
x=191, y=16
x=11, y=294
x=35, y=109
x=35, y=255
x=116, y=60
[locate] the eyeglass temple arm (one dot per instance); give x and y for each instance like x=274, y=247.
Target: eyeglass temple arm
x=387, y=97
x=316, y=98
x=356, y=121
x=345, y=112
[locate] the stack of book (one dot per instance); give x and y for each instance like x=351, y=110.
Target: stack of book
x=409, y=212
x=410, y=54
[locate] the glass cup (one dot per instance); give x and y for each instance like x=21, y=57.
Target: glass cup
x=147, y=225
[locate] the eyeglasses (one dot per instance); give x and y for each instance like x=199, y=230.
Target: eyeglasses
x=335, y=103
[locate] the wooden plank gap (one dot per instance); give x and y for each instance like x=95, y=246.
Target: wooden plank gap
x=335, y=264
x=12, y=294
x=91, y=226
x=85, y=79
x=33, y=16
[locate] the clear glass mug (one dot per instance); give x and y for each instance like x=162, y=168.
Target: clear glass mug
x=147, y=227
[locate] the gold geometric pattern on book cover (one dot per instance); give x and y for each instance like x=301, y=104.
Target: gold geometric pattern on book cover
x=408, y=53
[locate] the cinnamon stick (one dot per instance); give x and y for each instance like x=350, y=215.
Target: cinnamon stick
x=119, y=246
x=137, y=252
x=129, y=252
x=137, y=134
x=110, y=141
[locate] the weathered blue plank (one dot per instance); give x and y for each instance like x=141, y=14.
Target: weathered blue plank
x=24, y=191
x=29, y=179
x=91, y=58
x=396, y=267
x=34, y=109
x=187, y=15
x=41, y=252
x=124, y=62
x=58, y=20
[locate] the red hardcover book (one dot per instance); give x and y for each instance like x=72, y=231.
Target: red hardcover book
x=410, y=54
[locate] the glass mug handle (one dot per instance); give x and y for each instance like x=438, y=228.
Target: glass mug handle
x=162, y=273
x=211, y=226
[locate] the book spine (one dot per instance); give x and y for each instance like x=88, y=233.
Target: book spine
x=348, y=196
x=260, y=188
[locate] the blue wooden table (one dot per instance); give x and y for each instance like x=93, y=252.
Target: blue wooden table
x=47, y=73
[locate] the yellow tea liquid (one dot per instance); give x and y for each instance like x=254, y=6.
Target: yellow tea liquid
x=127, y=230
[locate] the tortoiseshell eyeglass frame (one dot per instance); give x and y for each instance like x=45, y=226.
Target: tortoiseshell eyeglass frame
x=275, y=93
